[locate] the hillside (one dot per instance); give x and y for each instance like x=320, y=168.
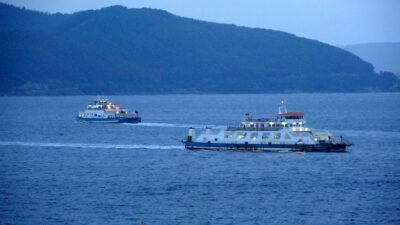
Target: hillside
x=384, y=56
x=117, y=50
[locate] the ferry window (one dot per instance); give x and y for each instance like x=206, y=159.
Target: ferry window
x=265, y=136
x=254, y=136
x=251, y=124
x=262, y=125
x=277, y=136
x=287, y=136
x=300, y=140
x=228, y=135
x=242, y=135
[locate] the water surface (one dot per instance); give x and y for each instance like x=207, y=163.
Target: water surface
x=54, y=170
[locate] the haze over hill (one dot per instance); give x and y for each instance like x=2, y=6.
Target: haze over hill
x=117, y=50
x=384, y=56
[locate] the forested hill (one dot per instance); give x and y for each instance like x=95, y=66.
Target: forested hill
x=117, y=50
x=385, y=56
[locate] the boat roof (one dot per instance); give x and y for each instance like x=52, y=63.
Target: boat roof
x=258, y=119
x=291, y=114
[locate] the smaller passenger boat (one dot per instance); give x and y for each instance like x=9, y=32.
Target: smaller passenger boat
x=104, y=111
x=286, y=132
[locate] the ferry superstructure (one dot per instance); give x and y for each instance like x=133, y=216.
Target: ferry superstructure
x=286, y=132
x=104, y=111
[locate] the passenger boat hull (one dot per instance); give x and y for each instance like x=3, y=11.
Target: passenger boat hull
x=110, y=120
x=325, y=147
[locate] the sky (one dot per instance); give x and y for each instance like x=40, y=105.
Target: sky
x=337, y=22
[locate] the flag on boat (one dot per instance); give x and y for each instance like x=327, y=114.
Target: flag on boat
x=247, y=114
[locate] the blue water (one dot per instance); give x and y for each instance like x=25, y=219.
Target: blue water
x=54, y=170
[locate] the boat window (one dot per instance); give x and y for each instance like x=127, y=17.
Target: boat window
x=242, y=135
x=277, y=135
x=287, y=136
x=254, y=136
x=265, y=136
x=228, y=135
x=300, y=140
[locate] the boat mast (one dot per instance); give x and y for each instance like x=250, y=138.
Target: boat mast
x=282, y=108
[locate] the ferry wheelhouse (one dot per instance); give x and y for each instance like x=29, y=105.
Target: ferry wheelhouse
x=102, y=110
x=286, y=132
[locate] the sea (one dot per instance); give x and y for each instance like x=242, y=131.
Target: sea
x=56, y=170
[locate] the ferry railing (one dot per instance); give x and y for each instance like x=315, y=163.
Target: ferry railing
x=253, y=128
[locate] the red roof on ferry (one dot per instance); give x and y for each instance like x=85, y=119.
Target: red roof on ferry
x=292, y=114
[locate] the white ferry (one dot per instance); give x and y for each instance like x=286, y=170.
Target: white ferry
x=102, y=110
x=286, y=132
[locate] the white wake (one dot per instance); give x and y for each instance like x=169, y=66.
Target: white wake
x=173, y=125
x=88, y=145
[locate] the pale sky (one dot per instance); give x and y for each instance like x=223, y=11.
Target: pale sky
x=337, y=22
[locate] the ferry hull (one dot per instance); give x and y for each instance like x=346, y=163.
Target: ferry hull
x=132, y=120
x=110, y=120
x=326, y=147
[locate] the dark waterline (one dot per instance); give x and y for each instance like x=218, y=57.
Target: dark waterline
x=56, y=170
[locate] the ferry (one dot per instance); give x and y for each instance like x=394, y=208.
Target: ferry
x=104, y=111
x=286, y=132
